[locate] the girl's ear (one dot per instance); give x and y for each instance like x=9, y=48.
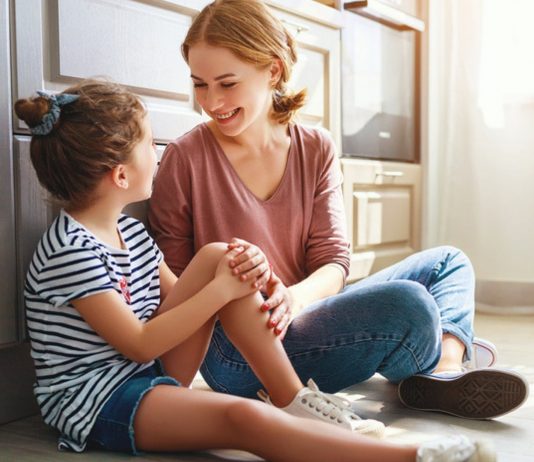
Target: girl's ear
x=276, y=71
x=118, y=176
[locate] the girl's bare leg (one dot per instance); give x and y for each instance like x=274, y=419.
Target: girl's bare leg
x=183, y=361
x=246, y=327
x=179, y=419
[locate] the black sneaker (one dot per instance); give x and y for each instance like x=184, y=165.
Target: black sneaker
x=475, y=394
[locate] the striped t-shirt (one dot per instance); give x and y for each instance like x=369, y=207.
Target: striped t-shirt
x=77, y=371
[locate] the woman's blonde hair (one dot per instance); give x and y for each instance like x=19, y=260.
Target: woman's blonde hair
x=253, y=34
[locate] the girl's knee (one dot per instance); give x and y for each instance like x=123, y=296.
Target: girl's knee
x=211, y=254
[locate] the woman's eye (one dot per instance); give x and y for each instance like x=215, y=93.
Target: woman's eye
x=228, y=85
x=199, y=85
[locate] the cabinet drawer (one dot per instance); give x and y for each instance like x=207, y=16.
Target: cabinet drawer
x=381, y=216
x=382, y=203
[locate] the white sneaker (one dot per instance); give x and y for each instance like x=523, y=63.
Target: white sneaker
x=312, y=403
x=456, y=448
x=484, y=354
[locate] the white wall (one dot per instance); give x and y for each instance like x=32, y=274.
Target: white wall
x=479, y=149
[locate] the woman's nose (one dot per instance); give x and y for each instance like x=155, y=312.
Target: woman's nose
x=214, y=100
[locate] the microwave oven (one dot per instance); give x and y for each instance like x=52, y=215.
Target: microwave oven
x=379, y=90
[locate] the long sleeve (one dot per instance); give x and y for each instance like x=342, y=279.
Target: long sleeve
x=327, y=242
x=170, y=215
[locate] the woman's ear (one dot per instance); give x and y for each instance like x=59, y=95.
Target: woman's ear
x=276, y=72
x=118, y=176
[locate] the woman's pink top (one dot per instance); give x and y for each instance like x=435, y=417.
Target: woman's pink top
x=198, y=198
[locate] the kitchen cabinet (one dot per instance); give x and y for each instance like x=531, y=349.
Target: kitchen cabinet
x=136, y=43
x=318, y=65
x=382, y=203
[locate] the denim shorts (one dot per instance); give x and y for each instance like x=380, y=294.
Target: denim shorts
x=113, y=429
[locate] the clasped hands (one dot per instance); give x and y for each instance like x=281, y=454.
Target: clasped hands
x=251, y=264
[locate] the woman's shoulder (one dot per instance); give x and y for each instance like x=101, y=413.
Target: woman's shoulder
x=190, y=140
x=188, y=147
x=316, y=142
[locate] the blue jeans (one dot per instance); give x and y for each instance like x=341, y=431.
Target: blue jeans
x=391, y=323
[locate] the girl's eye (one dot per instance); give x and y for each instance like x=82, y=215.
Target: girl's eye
x=199, y=85
x=228, y=85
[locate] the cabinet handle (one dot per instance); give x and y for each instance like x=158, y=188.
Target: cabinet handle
x=390, y=174
x=295, y=25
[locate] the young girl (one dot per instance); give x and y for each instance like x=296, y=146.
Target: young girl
x=102, y=306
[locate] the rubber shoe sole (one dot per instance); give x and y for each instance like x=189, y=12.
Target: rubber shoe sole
x=478, y=394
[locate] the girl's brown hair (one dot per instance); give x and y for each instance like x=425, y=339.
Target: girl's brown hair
x=94, y=134
x=253, y=34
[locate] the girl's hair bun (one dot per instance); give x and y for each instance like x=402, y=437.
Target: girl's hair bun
x=33, y=110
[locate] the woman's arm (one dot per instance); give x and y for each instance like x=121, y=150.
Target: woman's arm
x=327, y=280
x=170, y=213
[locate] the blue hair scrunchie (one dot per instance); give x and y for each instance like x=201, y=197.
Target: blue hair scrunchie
x=52, y=116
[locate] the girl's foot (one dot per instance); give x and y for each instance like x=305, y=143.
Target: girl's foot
x=456, y=448
x=311, y=403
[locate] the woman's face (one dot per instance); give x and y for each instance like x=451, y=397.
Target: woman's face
x=234, y=93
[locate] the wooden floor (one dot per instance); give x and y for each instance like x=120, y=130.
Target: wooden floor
x=29, y=440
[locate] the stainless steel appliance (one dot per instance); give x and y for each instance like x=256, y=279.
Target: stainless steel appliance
x=379, y=82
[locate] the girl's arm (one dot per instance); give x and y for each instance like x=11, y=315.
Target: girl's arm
x=114, y=321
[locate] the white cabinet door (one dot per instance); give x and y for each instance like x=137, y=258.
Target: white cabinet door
x=317, y=68
x=382, y=202
x=133, y=43
x=9, y=331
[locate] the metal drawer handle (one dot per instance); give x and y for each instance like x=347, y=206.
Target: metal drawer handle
x=295, y=25
x=390, y=174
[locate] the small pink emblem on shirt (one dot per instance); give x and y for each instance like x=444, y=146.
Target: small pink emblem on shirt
x=123, y=284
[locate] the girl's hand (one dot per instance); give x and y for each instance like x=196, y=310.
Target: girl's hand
x=282, y=304
x=233, y=286
x=250, y=264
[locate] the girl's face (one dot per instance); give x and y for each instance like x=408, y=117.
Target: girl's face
x=142, y=165
x=234, y=93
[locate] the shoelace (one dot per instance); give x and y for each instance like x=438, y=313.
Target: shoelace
x=329, y=405
x=342, y=405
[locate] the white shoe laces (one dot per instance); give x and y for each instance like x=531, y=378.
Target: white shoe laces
x=329, y=405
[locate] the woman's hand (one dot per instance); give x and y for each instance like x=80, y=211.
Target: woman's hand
x=233, y=286
x=282, y=305
x=250, y=264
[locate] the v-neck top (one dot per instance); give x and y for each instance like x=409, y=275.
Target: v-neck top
x=199, y=198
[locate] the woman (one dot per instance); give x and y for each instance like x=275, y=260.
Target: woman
x=254, y=173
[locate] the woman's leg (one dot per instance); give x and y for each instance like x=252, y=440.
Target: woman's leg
x=448, y=276
x=388, y=327
x=390, y=322
x=178, y=419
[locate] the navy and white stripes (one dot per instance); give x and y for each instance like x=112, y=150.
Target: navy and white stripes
x=76, y=369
